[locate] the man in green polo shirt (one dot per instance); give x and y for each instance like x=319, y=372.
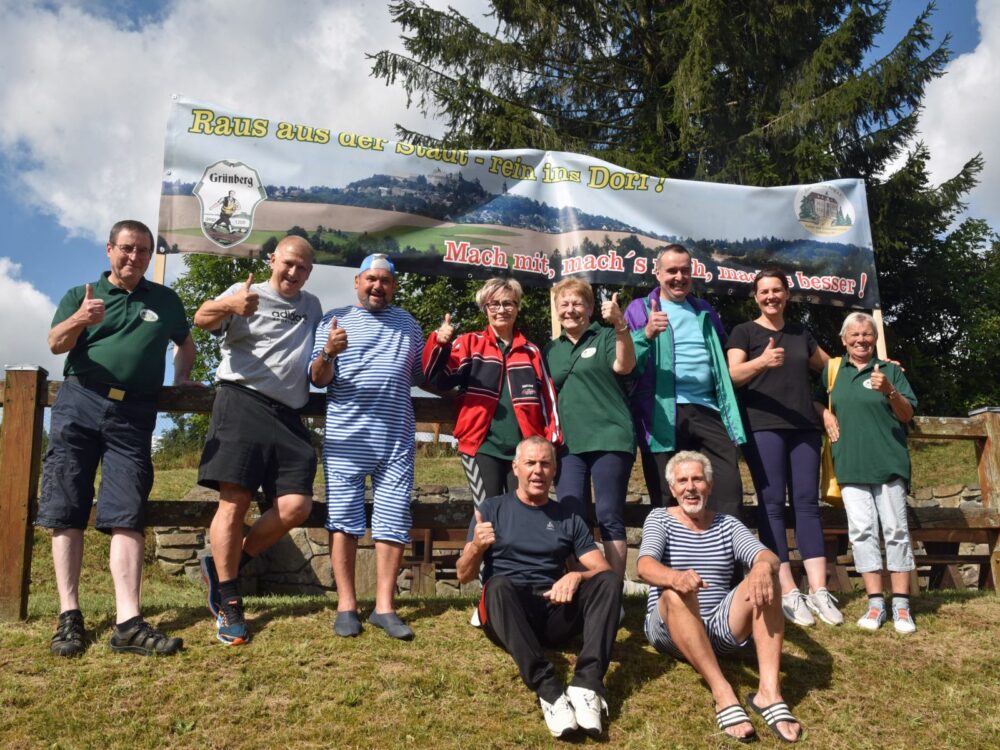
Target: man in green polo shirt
x=115, y=333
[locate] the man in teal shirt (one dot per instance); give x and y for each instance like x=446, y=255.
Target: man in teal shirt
x=683, y=398
x=115, y=333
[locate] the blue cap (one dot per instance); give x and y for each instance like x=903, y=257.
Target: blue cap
x=378, y=261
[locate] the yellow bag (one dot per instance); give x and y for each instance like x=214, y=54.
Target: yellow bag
x=829, y=488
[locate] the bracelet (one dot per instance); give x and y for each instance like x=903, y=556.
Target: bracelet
x=623, y=329
x=892, y=394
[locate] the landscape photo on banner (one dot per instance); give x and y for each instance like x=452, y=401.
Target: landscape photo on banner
x=234, y=184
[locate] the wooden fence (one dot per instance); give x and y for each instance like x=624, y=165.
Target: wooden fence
x=26, y=394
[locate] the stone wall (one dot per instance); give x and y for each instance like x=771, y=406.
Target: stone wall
x=300, y=562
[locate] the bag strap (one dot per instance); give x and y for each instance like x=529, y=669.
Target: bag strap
x=832, y=368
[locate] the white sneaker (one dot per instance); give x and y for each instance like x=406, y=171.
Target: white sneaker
x=474, y=620
x=588, y=706
x=824, y=605
x=793, y=604
x=559, y=716
x=872, y=619
x=902, y=620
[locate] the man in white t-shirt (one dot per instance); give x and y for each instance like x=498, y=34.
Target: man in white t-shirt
x=687, y=556
x=256, y=438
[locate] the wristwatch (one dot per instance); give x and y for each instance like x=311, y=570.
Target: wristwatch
x=326, y=357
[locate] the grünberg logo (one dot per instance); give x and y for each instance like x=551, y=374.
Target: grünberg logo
x=149, y=316
x=229, y=193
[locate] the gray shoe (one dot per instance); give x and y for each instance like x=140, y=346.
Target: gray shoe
x=793, y=604
x=347, y=624
x=392, y=625
x=824, y=605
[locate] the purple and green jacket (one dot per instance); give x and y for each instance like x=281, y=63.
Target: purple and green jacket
x=653, y=400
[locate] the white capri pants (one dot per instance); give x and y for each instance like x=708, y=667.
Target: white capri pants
x=867, y=505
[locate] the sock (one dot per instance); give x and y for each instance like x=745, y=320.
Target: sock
x=128, y=624
x=229, y=590
x=245, y=559
x=901, y=601
x=876, y=600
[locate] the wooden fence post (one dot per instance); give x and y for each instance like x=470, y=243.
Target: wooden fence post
x=988, y=456
x=24, y=398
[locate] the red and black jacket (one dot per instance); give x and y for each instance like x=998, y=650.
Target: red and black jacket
x=474, y=364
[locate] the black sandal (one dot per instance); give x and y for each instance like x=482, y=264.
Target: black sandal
x=731, y=716
x=773, y=714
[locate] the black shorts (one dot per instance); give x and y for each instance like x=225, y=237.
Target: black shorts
x=254, y=441
x=87, y=429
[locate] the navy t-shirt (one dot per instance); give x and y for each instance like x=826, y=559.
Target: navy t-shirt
x=532, y=543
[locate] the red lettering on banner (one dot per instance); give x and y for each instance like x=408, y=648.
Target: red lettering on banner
x=834, y=284
x=610, y=261
x=463, y=252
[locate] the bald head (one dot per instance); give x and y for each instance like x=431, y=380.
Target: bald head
x=291, y=264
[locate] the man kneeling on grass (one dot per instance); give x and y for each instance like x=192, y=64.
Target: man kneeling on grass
x=525, y=541
x=687, y=556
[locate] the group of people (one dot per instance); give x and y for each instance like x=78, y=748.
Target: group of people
x=662, y=377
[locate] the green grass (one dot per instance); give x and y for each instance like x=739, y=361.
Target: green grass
x=935, y=464
x=296, y=685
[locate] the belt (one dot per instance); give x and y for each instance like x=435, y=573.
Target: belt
x=113, y=393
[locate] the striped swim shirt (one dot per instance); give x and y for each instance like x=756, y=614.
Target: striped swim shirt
x=712, y=553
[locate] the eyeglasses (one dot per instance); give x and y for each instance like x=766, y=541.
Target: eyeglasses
x=504, y=305
x=134, y=250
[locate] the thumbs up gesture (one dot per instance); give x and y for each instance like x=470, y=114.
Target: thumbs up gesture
x=773, y=355
x=657, y=322
x=483, y=535
x=91, y=310
x=879, y=381
x=446, y=330
x=336, y=342
x=245, y=302
x=612, y=313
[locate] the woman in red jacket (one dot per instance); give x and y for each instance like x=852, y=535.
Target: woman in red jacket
x=505, y=393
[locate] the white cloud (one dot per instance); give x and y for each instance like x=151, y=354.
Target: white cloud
x=27, y=314
x=961, y=110
x=85, y=98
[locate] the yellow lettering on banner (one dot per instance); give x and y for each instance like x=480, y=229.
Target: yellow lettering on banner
x=456, y=156
x=205, y=122
x=366, y=142
x=551, y=173
x=288, y=131
x=514, y=169
x=602, y=177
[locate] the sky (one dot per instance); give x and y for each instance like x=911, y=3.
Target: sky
x=85, y=88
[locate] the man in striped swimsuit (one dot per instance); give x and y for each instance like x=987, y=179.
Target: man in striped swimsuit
x=687, y=557
x=368, y=357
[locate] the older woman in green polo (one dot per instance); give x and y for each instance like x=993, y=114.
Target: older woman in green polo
x=587, y=362
x=871, y=402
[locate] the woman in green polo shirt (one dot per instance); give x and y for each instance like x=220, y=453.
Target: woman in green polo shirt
x=587, y=363
x=871, y=404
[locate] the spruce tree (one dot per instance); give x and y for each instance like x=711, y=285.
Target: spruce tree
x=755, y=93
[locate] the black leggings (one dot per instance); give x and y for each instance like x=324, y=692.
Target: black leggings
x=699, y=428
x=488, y=476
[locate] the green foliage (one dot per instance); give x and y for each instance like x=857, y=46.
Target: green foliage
x=429, y=299
x=762, y=93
